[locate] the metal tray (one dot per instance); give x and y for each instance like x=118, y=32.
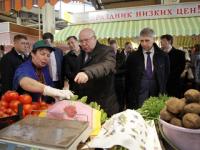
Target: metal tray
x=46, y=133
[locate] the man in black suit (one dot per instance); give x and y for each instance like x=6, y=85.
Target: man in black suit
x=121, y=57
x=177, y=65
x=10, y=61
x=96, y=77
x=147, y=71
x=72, y=63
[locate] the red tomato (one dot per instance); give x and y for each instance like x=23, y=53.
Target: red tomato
x=42, y=103
x=1, y=114
x=35, y=105
x=35, y=113
x=9, y=111
x=13, y=113
x=10, y=95
x=3, y=103
x=27, y=108
x=25, y=99
x=14, y=104
x=3, y=98
x=3, y=109
x=43, y=107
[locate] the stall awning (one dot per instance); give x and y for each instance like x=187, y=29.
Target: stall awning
x=129, y=29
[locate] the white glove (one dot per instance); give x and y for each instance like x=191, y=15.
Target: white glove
x=60, y=94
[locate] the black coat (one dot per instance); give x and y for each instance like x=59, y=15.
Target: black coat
x=177, y=65
x=59, y=61
x=71, y=66
x=135, y=68
x=100, y=69
x=9, y=63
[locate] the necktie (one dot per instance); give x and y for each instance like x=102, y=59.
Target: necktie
x=149, y=71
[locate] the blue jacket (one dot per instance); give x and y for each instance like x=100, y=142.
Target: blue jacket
x=27, y=70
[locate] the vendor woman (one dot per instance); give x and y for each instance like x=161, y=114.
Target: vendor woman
x=33, y=76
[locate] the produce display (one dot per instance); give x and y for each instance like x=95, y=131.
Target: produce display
x=10, y=100
x=150, y=110
x=183, y=112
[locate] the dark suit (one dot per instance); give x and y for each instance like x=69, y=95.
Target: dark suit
x=71, y=66
x=9, y=63
x=177, y=65
x=59, y=59
x=100, y=68
x=120, y=78
x=135, y=72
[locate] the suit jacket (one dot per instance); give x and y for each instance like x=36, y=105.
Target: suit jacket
x=59, y=60
x=71, y=66
x=9, y=63
x=177, y=65
x=100, y=68
x=135, y=68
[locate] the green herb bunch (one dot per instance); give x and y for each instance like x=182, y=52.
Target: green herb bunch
x=151, y=108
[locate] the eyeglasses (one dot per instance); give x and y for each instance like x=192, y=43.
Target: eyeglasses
x=86, y=40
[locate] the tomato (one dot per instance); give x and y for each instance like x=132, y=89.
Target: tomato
x=14, y=104
x=36, y=113
x=9, y=111
x=27, y=108
x=10, y=95
x=3, y=103
x=1, y=114
x=43, y=107
x=35, y=105
x=3, y=109
x=13, y=113
x=25, y=99
x=43, y=104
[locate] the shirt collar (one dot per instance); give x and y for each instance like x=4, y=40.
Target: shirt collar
x=151, y=50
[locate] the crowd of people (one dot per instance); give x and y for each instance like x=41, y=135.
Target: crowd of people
x=115, y=78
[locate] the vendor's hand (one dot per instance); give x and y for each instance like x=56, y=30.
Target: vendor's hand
x=81, y=77
x=58, y=94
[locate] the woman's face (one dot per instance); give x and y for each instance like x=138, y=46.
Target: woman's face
x=41, y=58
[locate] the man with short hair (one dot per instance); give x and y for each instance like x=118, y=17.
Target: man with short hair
x=10, y=61
x=147, y=71
x=55, y=63
x=96, y=77
x=72, y=63
x=177, y=65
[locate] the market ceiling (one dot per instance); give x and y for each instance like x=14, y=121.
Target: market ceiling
x=7, y=5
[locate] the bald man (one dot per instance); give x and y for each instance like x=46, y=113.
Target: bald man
x=96, y=77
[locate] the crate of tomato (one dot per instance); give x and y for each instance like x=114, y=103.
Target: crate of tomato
x=14, y=107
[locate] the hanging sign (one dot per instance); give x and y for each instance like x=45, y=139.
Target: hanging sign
x=139, y=13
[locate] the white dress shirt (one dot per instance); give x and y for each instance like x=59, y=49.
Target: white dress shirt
x=53, y=67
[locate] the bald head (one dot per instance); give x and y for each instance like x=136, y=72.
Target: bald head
x=87, y=39
x=87, y=31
